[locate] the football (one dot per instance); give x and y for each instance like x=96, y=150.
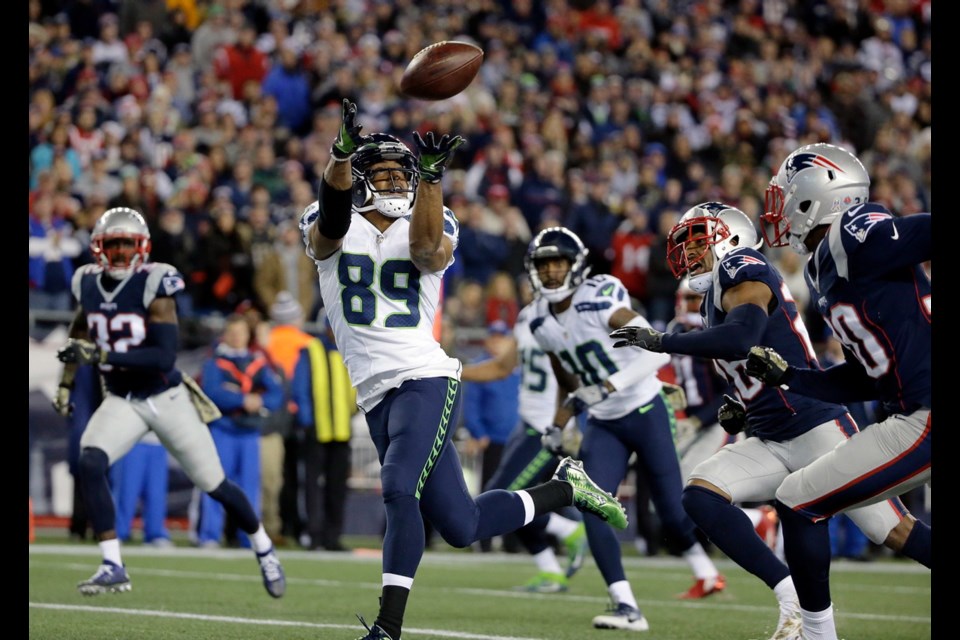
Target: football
x=441, y=70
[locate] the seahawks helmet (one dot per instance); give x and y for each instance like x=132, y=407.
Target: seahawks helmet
x=551, y=243
x=712, y=226
x=814, y=186
x=116, y=224
x=396, y=199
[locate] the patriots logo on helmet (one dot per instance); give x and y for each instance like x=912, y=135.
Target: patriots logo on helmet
x=733, y=263
x=800, y=161
x=859, y=226
x=713, y=207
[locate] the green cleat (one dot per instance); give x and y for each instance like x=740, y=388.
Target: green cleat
x=545, y=582
x=576, y=546
x=588, y=497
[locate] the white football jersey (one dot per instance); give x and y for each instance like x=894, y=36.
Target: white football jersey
x=382, y=308
x=580, y=338
x=538, y=385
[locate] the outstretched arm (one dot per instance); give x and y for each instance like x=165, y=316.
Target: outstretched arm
x=844, y=382
x=496, y=368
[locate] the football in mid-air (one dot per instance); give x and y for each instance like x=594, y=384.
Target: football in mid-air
x=441, y=70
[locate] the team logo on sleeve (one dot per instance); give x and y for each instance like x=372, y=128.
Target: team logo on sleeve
x=172, y=283
x=859, y=226
x=734, y=263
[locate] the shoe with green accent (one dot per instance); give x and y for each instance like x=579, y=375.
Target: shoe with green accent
x=588, y=497
x=576, y=545
x=545, y=582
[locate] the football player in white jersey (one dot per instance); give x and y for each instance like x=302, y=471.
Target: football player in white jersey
x=627, y=409
x=525, y=462
x=382, y=240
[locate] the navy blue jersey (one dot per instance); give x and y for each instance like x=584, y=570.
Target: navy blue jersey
x=867, y=283
x=117, y=321
x=772, y=413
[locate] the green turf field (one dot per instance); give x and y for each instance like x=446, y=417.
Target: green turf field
x=189, y=594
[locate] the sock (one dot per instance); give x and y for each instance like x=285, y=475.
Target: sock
x=787, y=595
x=547, y=562
x=393, y=603
x=260, y=540
x=561, y=527
x=700, y=563
x=236, y=503
x=550, y=496
x=808, y=555
x=918, y=545
x=620, y=592
x=111, y=551
x=818, y=625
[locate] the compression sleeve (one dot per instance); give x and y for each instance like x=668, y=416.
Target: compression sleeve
x=159, y=351
x=844, y=382
x=645, y=364
x=335, y=211
x=731, y=340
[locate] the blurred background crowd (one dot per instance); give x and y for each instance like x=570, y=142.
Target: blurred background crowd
x=214, y=118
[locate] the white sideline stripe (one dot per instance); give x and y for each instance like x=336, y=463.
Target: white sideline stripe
x=719, y=605
x=253, y=621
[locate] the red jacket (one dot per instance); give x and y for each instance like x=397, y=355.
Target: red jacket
x=238, y=65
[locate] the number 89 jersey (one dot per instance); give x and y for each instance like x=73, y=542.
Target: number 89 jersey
x=580, y=338
x=382, y=308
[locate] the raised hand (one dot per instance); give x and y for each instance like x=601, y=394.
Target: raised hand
x=348, y=138
x=435, y=156
x=732, y=415
x=766, y=365
x=644, y=337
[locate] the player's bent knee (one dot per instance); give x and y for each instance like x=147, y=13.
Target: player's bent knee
x=93, y=463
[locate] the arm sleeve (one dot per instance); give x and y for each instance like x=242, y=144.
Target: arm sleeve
x=158, y=352
x=335, y=211
x=647, y=363
x=894, y=244
x=731, y=340
x=845, y=382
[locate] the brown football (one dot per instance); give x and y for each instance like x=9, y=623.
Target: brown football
x=441, y=70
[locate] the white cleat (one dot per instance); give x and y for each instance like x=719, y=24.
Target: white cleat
x=623, y=616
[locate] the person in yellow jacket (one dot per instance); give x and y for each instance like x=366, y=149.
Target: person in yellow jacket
x=326, y=402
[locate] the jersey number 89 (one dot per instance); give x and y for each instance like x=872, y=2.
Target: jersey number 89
x=398, y=280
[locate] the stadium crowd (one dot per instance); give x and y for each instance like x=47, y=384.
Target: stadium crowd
x=611, y=117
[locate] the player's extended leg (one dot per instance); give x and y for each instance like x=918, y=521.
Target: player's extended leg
x=649, y=432
x=112, y=431
x=745, y=471
x=177, y=424
x=248, y=475
x=127, y=477
x=212, y=514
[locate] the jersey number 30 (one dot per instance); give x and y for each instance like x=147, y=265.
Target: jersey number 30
x=398, y=280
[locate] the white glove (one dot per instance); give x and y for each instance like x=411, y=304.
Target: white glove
x=552, y=440
x=587, y=396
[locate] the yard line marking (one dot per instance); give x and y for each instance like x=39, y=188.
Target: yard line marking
x=497, y=593
x=254, y=621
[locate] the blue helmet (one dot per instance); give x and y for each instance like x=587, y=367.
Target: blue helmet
x=397, y=199
x=552, y=243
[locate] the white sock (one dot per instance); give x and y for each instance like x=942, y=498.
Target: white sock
x=561, y=527
x=700, y=562
x=111, y=551
x=621, y=592
x=547, y=561
x=819, y=625
x=260, y=540
x=787, y=595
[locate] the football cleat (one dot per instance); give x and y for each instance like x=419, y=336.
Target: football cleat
x=704, y=587
x=576, y=545
x=589, y=497
x=273, y=579
x=374, y=632
x=109, y=578
x=767, y=527
x=789, y=627
x=622, y=616
x=545, y=582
